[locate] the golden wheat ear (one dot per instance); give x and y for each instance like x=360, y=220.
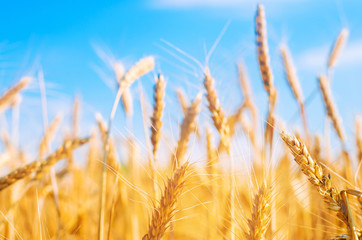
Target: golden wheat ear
x=163, y=214
x=331, y=108
x=217, y=114
x=187, y=127
x=260, y=216
x=156, y=119
x=40, y=166
x=7, y=99
x=336, y=200
x=337, y=48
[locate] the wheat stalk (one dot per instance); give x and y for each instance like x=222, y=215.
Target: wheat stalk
x=212, y=157
x=265, y=70
x=163, y=214
x=142, y=67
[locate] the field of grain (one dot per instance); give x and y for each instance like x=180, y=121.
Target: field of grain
x=294, y=187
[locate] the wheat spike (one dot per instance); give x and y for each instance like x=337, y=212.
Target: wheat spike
x=263, y=51
x=156, y=119
x=217, y=115
x=291, y=73
x=182, y=99
x=331, y=108
x=322, y=182
x=184, y=105
x=126, y=98
x=7, y=98
x=39, y=166
x=260, y=217
x=187, y=127
x=49, y=135
x=163, y=214
x=142, y=67
x=337, y=48
x=292, y=78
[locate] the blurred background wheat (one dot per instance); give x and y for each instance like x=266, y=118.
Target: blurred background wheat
x=183, y=148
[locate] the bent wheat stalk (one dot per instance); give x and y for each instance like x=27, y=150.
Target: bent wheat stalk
x=142, y=67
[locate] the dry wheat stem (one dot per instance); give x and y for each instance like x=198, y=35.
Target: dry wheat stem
x=163, y=214
x=142, y=67
x=212, y=157
x=247, y=92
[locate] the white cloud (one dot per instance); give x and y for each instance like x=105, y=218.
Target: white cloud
x=315, y=59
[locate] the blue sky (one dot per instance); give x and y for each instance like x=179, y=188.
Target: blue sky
x=64, y=39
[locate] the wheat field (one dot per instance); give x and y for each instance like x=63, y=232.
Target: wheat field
x=294, y=187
